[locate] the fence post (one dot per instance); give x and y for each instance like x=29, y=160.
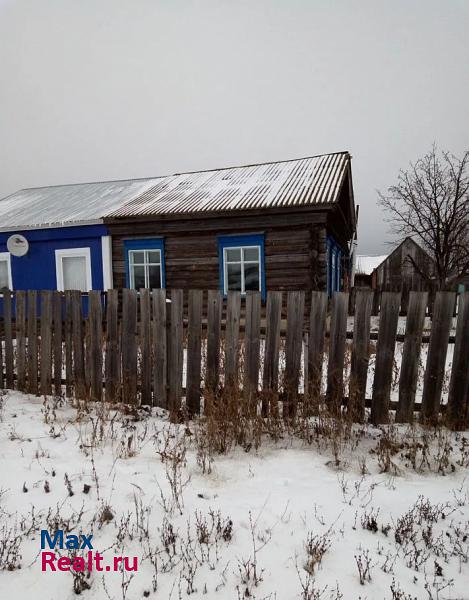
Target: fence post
x=337, y=340
x=252, y=347
x=214, y=307
x=46, y=342
x=78, y=346
x=194, y=340
x=411, y=355
x=21, y=340
x=159, y=342
x=112, y=358
x=458, y=397
x=232, y=339
x=68, y=337
x=317, y=331
x=145, y=346
x=129, y=346
x=176, y=354
x=7, y=320
x=293, y=344
x=360, y=354
x=95, y=321
x=388, y=321
x=271, y=353
x=57, y=318
x=442, y=318
x=32, y=343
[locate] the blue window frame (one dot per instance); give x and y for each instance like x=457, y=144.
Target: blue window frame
x=242, y=263
x=334, y=269
x=145, y=263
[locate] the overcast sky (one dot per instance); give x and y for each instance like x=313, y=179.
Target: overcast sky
x=111, y=89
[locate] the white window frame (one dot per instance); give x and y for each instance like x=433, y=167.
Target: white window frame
x=146, y=264
x=241, y=262
x=70, y=253
x=6, y=257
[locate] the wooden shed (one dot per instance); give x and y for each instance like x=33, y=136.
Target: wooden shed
x=407, y=268
x=274, y=226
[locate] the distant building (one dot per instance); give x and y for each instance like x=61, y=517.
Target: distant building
x=364, y=267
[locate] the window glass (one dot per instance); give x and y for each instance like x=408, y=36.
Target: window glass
x=251, y=277
x=137, y=257
x=154, y=276
x=251, y=254
x=233, y=254
x=4, y=283
x=138, y=277
x=234, y=277
x=154, y=257
x=74, y=273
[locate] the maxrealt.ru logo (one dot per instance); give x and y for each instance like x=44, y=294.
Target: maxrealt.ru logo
x=91, y=560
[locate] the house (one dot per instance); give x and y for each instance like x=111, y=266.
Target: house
x=53, y=238
x=364, y=267
x=274, y=226
x=407, y=268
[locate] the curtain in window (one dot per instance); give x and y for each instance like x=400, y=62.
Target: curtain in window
x=74, y=273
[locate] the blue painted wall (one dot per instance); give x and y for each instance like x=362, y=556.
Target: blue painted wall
x=36, y=270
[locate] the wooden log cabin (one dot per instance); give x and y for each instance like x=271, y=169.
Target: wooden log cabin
x=274, y=226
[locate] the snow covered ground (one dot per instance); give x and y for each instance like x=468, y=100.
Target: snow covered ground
x=290, y=520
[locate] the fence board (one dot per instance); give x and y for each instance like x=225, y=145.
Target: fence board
x=7, y=316
x=360, y=354
x=388, y=321
x=145, y=346
x=32, y=342
x=436, y=358
x=68, y=338
x=194, y=340
x=95, y=321
x=21, y=340
x=233, y=312
x=458, y=397
x=112, y=357
x=79, y=379
x=272, y=347
x=176, y=351
x=214, y=306
x=417, y=305
x=337, y=338
x=46, y=342
x=294, y=338
x=252, y=343
x=159, y=342
x=317, y=330
x=57, y=344
x=129, y=346
x=2, y=373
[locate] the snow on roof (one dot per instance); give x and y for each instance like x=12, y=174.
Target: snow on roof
x=314, y=180
x=365, y=265
x=75, y=204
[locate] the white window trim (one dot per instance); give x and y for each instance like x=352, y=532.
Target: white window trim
x=68, y=253
x=6, y=256
x=242, y=262
x=106, y=250
x=146, y=264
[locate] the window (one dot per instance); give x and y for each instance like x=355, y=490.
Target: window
x=73, y=269
x=334, y=266
x=242, y=263
x=145, y=263
x=5, y=271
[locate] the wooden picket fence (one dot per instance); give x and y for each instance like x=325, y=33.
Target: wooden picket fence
x=132, y=347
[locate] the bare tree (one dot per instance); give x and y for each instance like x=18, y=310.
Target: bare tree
x=430, y=203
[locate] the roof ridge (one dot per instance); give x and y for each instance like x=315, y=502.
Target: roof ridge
x=258, y=164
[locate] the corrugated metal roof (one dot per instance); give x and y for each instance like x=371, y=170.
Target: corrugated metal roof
x=68, y=204
x=314, y=180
